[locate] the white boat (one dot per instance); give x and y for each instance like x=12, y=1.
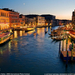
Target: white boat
x=4, y=37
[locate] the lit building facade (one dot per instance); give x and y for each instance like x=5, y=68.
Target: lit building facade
x=49, y=19
x=40, y=21
x=4, y=19
x=13, y=18
x=36, y=20
x=22, y=20
x=73, y=19
x=30, y=22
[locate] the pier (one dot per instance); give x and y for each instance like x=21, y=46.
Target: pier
x=67, y=53
x=64, y=55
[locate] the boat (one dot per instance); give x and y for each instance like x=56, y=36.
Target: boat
x=49, y=34
x=45, y=32
x=30, y=28
x=4, y=36
x=58, y=37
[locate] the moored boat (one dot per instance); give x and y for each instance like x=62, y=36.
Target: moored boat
x=4, y=37
x=58, y=37
x=45, y=32
x=49, y=34
x=30, y=28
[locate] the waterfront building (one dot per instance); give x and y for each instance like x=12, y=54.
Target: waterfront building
x=65, y=22
x=56, y=22
x=73, y=19
x=13, y=18
x=4, y=19
x=40, y=21
x=30, y=22
x=60, y=22
x=22, y=21
x=50, y=19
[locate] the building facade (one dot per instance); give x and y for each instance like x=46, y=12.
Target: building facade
x=4, y=19
x=36, y=19
x=22, y=21
x=73, y=19
x=40, y=21
x=49, y=19
x=30, y=22
x=13, y=18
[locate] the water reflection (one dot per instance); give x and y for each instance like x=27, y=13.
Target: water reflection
x=46, y=28
x=14, y=41
x=9, y=46
x=26, y=51
x=15, y=34
x=25, y=34
x=5, y=49
x=15, y=44
x=30, y=32
x=41, y=32
x=20, y=33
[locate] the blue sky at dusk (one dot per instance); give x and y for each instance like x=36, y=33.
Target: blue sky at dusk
x=62, y=9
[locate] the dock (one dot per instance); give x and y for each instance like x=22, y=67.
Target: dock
x=67, y=54
x=63, y=55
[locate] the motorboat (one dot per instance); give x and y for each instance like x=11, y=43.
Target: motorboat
x=4, y=36
x=58, y=37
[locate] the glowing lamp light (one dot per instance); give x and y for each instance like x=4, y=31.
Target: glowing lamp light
x=67, y=32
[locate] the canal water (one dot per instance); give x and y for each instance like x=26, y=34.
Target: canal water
x=35, y=54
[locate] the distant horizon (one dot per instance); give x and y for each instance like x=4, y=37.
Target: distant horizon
x=62, y=9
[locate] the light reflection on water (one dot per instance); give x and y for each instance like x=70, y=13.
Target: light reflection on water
x=34, y=54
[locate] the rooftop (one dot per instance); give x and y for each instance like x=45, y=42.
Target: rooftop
x=7, y=9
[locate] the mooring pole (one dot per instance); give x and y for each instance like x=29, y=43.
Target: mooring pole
x=67, y=59
x=72, y=52
x=59, y=46
x=63, y=44
x=67, y=52
x=66, y=43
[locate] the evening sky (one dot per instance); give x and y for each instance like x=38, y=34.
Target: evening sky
x=62, y=9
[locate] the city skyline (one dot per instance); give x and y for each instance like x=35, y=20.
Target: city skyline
x=62, y=9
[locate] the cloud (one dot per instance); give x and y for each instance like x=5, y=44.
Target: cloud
x=23, y=3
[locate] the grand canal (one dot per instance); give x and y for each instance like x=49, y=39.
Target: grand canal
x=34, y=54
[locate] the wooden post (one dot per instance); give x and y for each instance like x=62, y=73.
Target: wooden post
x=50, y=28
x=66, y=43
x=67, y=59
x=63, y=44
x=59, y=46
x=72, y=52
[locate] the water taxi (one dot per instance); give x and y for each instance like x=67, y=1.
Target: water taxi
x=4, y=36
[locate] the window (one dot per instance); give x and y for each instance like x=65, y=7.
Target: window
x=16, y=21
